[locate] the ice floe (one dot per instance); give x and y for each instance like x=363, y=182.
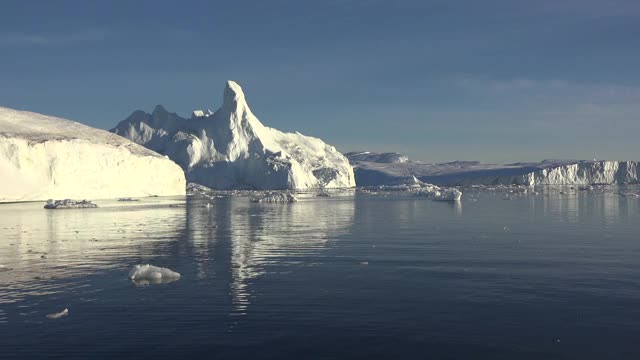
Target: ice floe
x=150, y=274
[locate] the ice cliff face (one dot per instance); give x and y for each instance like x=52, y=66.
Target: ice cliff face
x=231, y=149
x=374, y=169
x=44, y=157
x=575, y=173
x=583, y=173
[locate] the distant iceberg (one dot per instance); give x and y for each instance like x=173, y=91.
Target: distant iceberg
x=372, y=169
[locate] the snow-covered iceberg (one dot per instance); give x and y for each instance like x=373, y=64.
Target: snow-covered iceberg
x=149, y=274
x=231, y=149
x=44, y=157
x=373, y=169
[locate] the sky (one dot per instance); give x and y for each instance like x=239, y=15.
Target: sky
x=494, y=80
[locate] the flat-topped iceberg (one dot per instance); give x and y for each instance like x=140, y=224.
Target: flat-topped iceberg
x=231, y=149
x=373, y=169
x=44, y=157
x=149, y=274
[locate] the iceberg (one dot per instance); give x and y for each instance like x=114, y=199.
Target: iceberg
x=44, y=157
x=372, y=169
x=231, y=149
x=149, y=274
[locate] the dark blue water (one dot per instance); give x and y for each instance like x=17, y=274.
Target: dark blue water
x=355, y=277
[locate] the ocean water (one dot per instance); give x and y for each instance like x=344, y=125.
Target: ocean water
x=547, y=276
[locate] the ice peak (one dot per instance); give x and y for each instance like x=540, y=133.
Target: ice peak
x=159, y=109
x=233, y=97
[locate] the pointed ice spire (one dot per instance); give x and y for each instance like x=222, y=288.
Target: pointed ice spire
x=234, y=98
x=159, y=109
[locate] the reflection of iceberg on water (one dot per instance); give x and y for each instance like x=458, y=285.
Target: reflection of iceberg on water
x=260, y=236
x=39, y=246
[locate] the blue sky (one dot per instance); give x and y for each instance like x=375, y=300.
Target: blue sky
x=497, y=81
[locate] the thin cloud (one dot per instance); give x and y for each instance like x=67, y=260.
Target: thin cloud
x=588, y=108
x=32, y=39
x=562, y=90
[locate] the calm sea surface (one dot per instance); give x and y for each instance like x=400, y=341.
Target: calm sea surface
x=548, y=276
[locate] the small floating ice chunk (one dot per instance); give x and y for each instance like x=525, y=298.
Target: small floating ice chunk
x=69, y=204
x=435, y=193
x=58, y=315
x=275, y=197
x=149, y=274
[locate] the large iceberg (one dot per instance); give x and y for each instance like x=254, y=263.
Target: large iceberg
x=373, y=169
x=231, y=149
x=44, y=157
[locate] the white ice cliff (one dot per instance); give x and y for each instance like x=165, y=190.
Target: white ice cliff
x=44, y=157
x=231, y=149
x=385, y=169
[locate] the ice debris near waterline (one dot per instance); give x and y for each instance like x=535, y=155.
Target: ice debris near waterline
x=274, y=197
x=437, y=194
x=69, y=204
x=149, y=274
